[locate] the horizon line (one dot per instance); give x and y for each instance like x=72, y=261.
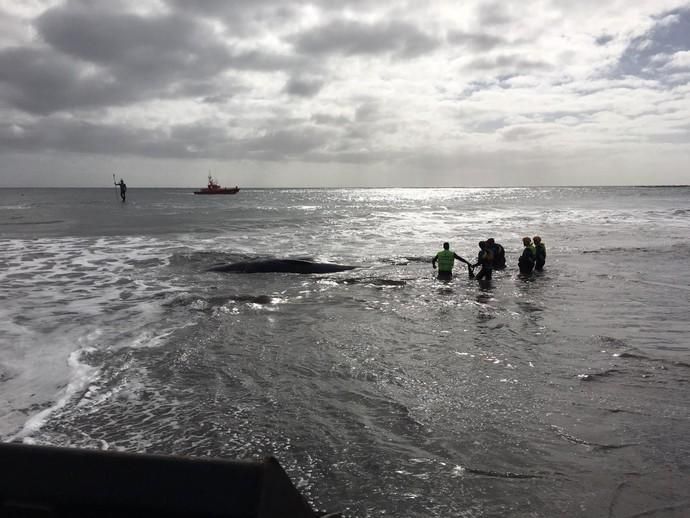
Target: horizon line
x=365, y=187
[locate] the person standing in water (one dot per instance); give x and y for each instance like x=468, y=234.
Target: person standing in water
x=529, y=254
x=540, y=253
x=499, y=253
x=485, y=258
x=446, y=258
x=123, y=189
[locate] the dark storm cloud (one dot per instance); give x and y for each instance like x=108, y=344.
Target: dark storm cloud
x=146, y=46
x=41, y=81
x=240, y=17
x=647, y=54
x=514, y=62
x=475, y=41
x=249, y=17
x=212, y=91
x=106, y=58
x=351, y=38
x=63, y=134
x=303, y=87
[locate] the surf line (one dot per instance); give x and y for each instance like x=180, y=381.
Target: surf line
x=82, y=376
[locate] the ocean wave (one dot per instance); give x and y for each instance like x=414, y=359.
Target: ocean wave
x=82, y=375
x=637, y=356
x=374, y=281
x=6, y=373
x=197, y=302
x=45, y=222
x=501, y=474
x=620, y=249
x=591, y=376
x=576, y=440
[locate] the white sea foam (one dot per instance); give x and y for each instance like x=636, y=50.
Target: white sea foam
x=69, y=296
x=81, y=376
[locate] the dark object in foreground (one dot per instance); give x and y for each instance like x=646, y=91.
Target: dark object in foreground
x=280, y=266
x=42, y=481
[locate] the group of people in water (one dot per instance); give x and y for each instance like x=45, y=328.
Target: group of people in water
x=492, y=256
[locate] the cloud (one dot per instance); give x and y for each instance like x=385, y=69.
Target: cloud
x=242, y=18
x=153, y=46
x=391, y=83
x=508, y=62
x=476, y=41
x=183, y=141
x=349, y=37
x=96, y=59
x=604, y=39
x=284, y=144
x=647, y=54
x=38, y=80
x=492, y=14
x=64, y=134
x=327, y=119
x=303, y=87
x=679, y=61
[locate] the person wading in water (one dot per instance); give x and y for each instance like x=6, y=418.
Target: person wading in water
x=123, y=189
x=540, y=249
x=526, y=261
x=446, y=258
x=485, y=258
x=499, y=253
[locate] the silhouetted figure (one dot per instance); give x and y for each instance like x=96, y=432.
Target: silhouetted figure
x=123, y=189
x=528, y=257
x=485, y=258
x=499, y=253
x=540, y=252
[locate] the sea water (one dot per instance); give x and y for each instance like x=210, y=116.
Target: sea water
x=381, y=390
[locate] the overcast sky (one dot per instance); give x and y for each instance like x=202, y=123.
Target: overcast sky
x=344, y=93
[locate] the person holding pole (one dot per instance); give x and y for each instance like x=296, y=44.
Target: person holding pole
x=123, y=188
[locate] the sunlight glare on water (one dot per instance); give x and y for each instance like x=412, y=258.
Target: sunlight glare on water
x=382, y=390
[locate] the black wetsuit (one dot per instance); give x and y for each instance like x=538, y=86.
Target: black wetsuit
x=123, y=190
x=526, y=261
x=485, y=258
x=499, y=256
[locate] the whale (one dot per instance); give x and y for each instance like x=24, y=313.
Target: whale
x=280, y=266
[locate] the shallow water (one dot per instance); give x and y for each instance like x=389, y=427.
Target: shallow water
x=381, y=390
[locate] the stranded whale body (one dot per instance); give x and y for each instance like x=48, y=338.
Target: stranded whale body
x=281, y=266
